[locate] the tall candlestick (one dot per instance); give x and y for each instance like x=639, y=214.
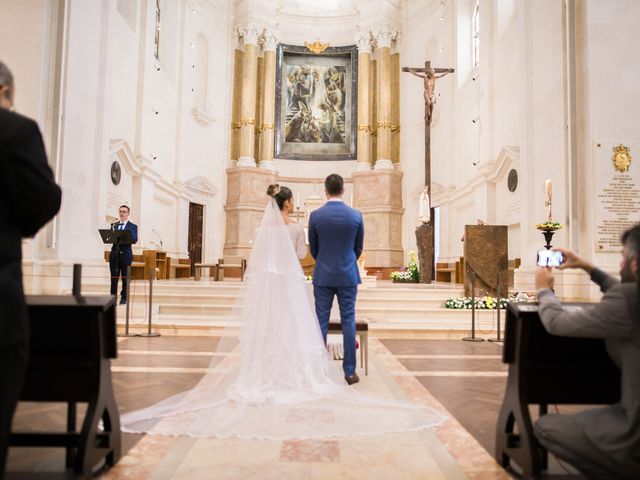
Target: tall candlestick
x=351, y=203
x=298, y=200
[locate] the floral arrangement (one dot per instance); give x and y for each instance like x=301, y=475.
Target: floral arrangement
x=548, y=226
x=409, y=274
x=487, y=302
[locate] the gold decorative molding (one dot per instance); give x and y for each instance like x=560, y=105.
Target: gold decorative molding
x=317, y=47
x=389, y=125
x=364, y=128
x=621, y=158
x=264, y=126
x=243, y=123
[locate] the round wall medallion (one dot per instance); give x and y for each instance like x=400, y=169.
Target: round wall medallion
x=512, y=180
x=116, y=173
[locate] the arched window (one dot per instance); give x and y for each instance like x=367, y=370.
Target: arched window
x=201, y=73
x=476, y=34
x=156, y=38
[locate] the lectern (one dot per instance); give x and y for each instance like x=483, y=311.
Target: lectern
x=486, y=254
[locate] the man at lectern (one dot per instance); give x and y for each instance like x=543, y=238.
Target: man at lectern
x=121, y=255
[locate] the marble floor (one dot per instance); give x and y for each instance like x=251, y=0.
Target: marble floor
x=465, y=381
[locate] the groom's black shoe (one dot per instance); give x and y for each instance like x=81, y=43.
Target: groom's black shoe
x=351, y=379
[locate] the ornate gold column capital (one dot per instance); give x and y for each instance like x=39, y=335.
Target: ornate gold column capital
x=386, y=35
x=363, y=41
x=248, y=32
x=269, y=40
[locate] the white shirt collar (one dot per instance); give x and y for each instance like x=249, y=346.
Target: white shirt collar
x=335, y=199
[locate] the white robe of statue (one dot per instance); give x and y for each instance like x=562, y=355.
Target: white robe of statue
x=424, y=206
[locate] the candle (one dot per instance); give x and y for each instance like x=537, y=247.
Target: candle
x=547, y=190
x=547, y=199
x=298, y=200
x=351, y=200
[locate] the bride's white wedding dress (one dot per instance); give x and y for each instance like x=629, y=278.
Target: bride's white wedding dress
x=275, y=380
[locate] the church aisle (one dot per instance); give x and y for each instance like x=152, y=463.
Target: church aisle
x=148, y=370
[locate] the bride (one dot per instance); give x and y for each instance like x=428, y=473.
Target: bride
x=275, y=380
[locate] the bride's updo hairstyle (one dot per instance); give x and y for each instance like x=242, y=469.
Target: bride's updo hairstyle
x=280, y=194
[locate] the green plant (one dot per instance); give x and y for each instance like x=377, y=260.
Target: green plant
x=411, y=272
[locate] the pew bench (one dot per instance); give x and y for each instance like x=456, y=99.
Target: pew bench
x=234, y=263
x=72, y=342
x=544, y=370
x=362, y=332
x=179, y=268
x=446, y=272
x=197, y=270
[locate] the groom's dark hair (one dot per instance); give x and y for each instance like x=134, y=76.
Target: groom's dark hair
x=334, y=184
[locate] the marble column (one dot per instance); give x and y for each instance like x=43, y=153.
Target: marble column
x=363, y=40
x=236, y=106
x=247, y=122
x=268, y=109
x=385, y=37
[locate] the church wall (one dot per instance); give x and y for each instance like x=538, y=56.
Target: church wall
x=28, y=37
x=204, y=141
x=110, y=90
x=608, y=102
x=517, y=98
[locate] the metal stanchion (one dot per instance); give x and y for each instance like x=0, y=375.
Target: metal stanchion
x=152, y=274
x=473, y=337
x=127, y=307
x=497, y=338
x=77, y=280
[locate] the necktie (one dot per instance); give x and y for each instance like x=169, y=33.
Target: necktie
x=121, y=226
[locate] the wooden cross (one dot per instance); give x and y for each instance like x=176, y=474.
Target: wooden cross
x=429, y=74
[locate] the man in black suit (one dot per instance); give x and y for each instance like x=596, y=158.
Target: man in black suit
x=30, y=198
x=121, y=255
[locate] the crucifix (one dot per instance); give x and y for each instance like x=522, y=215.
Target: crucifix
x=424, y=233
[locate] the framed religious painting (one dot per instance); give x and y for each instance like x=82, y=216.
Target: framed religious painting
x=316, y=102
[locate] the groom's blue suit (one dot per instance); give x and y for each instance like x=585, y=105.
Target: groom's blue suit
x=336, y=233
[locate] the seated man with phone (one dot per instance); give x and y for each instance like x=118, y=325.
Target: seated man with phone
x=602, y=443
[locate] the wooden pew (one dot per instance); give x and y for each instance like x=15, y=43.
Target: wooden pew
x=72, y=342
x=446, y=272
x=179, y=267
x=546, y=369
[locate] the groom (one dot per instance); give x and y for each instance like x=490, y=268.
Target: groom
x=336, y=232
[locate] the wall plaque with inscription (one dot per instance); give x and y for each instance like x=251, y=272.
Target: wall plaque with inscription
x=617, y=193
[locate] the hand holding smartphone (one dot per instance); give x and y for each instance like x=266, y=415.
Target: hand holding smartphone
x=550, y=258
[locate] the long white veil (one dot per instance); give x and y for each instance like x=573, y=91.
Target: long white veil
x=276, y=380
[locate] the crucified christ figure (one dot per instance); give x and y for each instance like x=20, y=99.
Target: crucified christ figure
x=429, y=75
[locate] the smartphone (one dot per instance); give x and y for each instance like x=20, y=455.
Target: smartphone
x=549, y=258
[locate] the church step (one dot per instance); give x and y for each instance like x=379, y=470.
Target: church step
x=218, y=289
x=458, y=321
